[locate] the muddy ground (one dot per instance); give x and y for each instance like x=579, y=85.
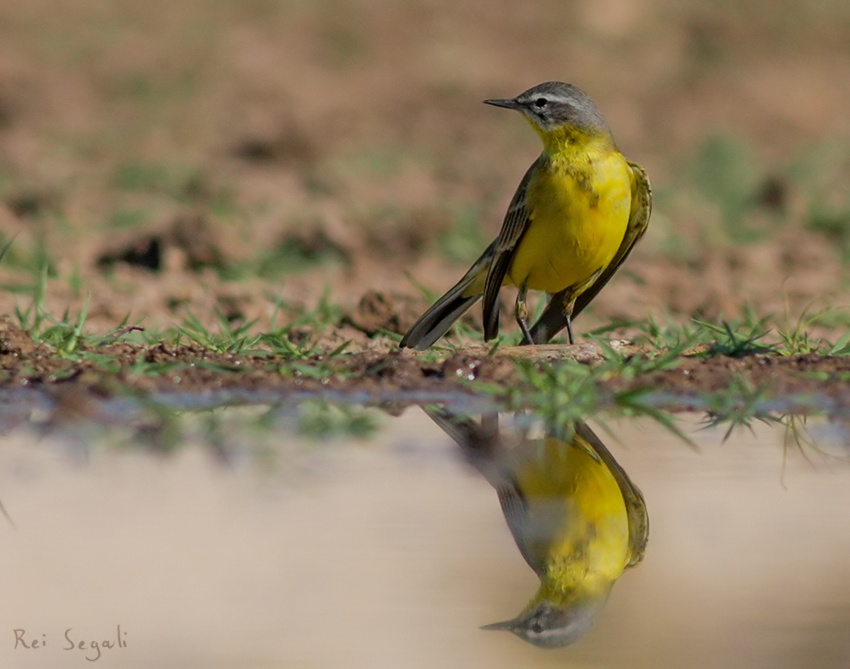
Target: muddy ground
x=799, y=383
x=245, y=163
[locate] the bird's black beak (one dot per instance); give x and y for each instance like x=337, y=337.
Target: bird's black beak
x=506, y=103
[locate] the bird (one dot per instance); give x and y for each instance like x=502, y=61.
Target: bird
x=575, y=217
x=575, y=515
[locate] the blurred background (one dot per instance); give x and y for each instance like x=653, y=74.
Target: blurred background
x=222, y=156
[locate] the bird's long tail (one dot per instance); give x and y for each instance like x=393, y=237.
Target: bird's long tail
x=435, y=322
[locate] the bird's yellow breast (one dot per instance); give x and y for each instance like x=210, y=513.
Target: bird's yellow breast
x=580, y=523
x=578, y=203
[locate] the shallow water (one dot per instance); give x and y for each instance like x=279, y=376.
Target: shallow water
x=393, y=551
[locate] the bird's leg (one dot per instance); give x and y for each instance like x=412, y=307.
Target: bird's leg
x=521, y=313
x=569, y=305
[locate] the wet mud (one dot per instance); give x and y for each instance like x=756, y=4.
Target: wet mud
x=122, y=367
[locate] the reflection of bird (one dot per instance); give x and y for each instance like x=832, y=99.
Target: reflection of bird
x=578, y=211
x=575, y=515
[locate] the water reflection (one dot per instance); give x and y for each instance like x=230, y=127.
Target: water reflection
x=576, y=517
x=215, y=567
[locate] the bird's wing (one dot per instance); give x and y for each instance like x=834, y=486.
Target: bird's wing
x=515, y=509
x=632, y=496
x=478, y=442
x=515, y=224
x=553, y=320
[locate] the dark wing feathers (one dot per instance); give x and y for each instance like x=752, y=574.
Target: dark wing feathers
x=515, y=224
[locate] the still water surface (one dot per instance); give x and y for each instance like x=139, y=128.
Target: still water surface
x=392, y=552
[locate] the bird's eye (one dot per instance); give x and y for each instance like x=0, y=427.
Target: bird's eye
x=541, y=102
x=537, y=627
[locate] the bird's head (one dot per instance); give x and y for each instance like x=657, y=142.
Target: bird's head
x=554, y=106
x=549, y=624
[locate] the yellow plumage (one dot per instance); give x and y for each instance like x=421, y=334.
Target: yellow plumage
x=579, y=541
x=578, y=202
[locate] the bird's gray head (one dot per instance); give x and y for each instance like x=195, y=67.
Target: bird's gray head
x=554, y=105
x=549, y=625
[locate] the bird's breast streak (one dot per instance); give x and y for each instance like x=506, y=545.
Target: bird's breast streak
x=578, y=220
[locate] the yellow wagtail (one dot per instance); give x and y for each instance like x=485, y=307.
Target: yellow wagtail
x=575, y=515
x=576, y=215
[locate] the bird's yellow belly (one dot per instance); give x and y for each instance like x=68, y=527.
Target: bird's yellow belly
x=575, y=229
x=578, y=519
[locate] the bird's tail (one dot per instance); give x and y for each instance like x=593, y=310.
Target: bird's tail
x=435, y=322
